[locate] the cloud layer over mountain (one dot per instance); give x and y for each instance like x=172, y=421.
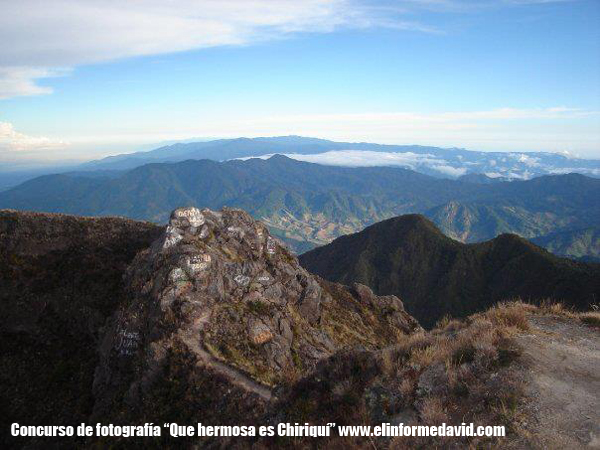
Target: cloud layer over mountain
x=452, y=163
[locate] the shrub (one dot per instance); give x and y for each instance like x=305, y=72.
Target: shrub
x=590, y=318
x=432, y=411
x=513, y=314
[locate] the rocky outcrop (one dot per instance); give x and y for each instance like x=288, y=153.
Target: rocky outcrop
x=218, y=291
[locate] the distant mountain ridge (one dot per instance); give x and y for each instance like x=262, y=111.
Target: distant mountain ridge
x=530, y=209
x=309, y=204
x=579, y=244
x=410, y=257
x=435, y=161
x=456, y=163
x=481, y=178
x=306, y=202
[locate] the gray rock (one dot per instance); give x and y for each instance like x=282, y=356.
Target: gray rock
x=218, y=288
x=310, y=302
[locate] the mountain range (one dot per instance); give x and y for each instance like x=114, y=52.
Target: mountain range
x=410, y=257
x=579, y=244
x=308, y=204
x=435, y=161
x=467, y=165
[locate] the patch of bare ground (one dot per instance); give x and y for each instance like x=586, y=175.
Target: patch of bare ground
x=560, y=364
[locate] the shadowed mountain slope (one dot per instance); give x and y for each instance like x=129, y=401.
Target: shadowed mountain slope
x=434, y=275
x=60, y=278
x=579, y=244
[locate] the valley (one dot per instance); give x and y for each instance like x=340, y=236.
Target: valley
x=309, y=205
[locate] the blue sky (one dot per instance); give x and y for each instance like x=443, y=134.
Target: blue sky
x=83, y=79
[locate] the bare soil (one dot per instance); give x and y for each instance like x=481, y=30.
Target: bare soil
x=561, y=365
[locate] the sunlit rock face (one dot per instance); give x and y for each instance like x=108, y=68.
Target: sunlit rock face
x=217, y=290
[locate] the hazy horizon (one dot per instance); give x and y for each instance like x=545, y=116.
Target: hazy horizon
x=349, y=158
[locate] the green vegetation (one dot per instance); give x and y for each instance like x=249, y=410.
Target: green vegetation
x=578, y=244
x=308, y=204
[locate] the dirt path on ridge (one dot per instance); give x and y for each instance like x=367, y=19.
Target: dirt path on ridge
x=561, y=360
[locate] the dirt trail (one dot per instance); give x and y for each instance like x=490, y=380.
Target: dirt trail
x=191, y=339
x=561, y=359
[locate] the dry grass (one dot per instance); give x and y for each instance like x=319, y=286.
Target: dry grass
x=510, y=314
x=433, y=411
x=555, y=308
x=407, y=387
x=590, y=318
x=474, y=340
x=461, y=371
x=443, y=322
x=550, y=306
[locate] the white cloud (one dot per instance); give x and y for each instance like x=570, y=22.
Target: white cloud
x=449, y=170
x=587, y=171
x=530, y=161
x=519, y=176
x=39, y=36
x=368, y=158
x=19, y=80
x=569, y=155
x=13, y=141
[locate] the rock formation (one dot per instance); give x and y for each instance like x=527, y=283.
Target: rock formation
x=219, y=291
